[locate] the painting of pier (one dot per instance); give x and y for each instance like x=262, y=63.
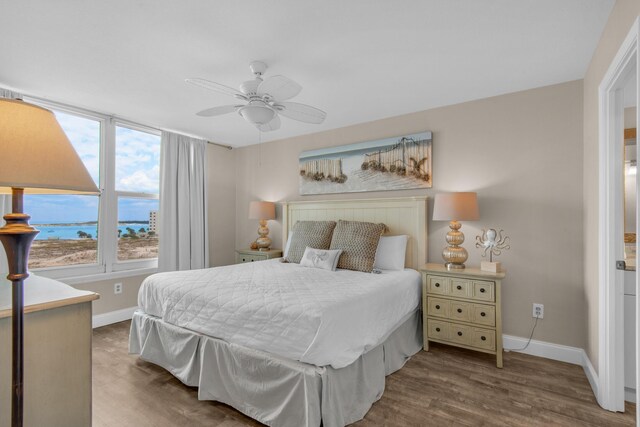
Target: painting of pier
x=397, y=163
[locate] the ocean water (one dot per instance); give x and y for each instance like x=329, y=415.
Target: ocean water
x=70, y=231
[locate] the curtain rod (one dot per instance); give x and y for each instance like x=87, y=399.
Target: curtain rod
x=228, y=147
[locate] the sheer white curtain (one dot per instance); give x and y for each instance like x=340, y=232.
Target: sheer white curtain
x=183, y=208
x=5, y=199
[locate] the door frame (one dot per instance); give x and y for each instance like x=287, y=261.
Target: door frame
x=611, y=289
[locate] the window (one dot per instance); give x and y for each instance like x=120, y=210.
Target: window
x=137, y=188
x=69, y=224
x=115, y=231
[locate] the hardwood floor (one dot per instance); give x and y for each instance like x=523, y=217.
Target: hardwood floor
x=442, y=387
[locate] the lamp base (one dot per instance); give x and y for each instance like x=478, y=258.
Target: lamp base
x=452, y=266
x=455, y=255
x=263, y=242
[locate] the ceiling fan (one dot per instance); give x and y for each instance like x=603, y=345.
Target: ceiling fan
x=265, y=100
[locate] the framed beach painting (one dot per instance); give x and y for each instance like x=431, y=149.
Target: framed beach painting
x=398, y=163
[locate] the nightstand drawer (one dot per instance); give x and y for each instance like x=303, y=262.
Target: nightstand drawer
x=438, y=285
x=460, y=334
x=461, y=311
x=240, y=258
x=438, y=307
x=484, y=291
x=483, y=338
x=461, y=288
x=484, y=314
x=438, y=330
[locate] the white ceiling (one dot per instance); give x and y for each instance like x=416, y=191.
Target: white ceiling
x=359, y=60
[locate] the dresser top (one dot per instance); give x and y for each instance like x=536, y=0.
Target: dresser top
x=466, y=272
x=41, y=293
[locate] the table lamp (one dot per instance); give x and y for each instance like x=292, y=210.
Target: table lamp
x=455, y=207
x=263, y=211
x=37, y=158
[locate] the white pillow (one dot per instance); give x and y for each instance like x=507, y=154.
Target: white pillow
x=320, y=258
x=286, y=248
x=391, y=252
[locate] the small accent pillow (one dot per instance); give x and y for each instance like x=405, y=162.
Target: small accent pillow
x=391, y=253
x=320, y=258
x=314, y=234
x=358, y=241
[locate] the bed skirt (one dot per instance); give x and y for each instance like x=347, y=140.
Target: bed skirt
x=269, y=388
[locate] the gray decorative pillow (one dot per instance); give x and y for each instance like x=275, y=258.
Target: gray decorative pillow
x=314, y=234
x=358, y=241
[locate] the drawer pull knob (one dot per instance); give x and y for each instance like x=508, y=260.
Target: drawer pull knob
x=483, y=314
x=437, y=329
x=437, y=285
x=458, y=287
x=459, y=310
x=483, y=338
x=482, y=290
x=459, y=333
x=437, y=307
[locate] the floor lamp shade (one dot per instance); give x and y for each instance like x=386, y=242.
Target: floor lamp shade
x=35, y=153
x=262, y=211
x=454, y=207
x=37, y=157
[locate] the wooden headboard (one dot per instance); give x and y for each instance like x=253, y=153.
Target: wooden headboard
x=403, y=215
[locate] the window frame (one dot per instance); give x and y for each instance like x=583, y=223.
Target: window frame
x=107, y=260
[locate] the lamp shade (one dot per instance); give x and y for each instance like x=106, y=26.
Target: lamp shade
x=36, y=155
x=456, y=207
x=262, y=210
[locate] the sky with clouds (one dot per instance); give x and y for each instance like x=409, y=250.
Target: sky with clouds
x=137, y=170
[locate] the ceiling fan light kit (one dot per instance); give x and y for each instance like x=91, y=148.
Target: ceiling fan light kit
x=265, y=100
x=257, y=112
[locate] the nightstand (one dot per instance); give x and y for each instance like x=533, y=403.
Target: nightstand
x=462, y=308
x=250, y=255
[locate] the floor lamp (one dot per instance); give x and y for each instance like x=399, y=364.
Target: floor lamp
x=35, y=157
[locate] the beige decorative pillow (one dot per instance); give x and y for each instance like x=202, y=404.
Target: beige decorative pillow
x=314, y=234
x=358, y=241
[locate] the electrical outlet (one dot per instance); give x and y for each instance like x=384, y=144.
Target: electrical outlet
x=117, y=288
x=538, y=310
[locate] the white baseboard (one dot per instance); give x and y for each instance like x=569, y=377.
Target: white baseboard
x=113, y=317
x=544, y=349
x=591, y=373
x=629, y=395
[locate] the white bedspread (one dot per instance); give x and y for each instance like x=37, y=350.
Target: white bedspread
x=306, y=314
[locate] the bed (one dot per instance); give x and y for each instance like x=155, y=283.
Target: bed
x=284, y=344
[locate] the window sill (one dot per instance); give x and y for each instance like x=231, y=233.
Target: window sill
x=90, y=278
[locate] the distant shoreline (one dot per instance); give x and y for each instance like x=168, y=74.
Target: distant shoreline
x=84, y=224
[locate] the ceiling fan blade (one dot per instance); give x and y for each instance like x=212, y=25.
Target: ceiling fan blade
x=279, y=88
x=216, y=87
x=217, y=111
x=274, y=124
x=301, y=112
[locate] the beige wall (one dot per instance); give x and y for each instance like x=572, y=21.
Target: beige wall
x=622, y=16
x=521, y=152
x=221, y=205
x=109, y=301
